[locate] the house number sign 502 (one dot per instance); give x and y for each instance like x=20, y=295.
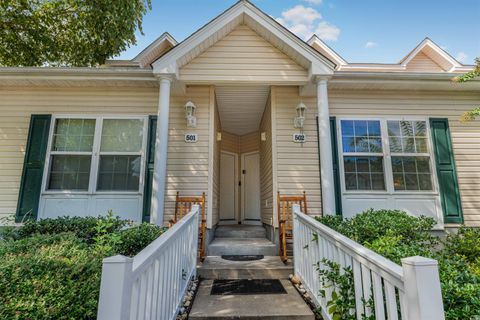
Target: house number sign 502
x=299, y=137
x=191, y=137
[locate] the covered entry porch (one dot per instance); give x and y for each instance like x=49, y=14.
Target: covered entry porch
x=246, y=75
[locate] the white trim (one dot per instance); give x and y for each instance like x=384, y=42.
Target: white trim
x=211, y=155
x=237, y=191
x=329, y=51
x=242, y=179
x=429, y=43
x=273, y=102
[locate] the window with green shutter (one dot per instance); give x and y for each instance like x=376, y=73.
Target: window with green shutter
x=446, y=170
x=31, y=183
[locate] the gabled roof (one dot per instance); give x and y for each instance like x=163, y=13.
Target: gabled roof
x=243, y=12
x=158, y=47
x=434, y=52
x=328, y=52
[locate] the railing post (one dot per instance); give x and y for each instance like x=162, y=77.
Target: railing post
x=115, y=288
x=296, y=247
x=423, y=294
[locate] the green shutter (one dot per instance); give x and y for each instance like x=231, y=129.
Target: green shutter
x=336, y=165
x=446, y=171
x=149, y=168
x=336, y=172
x=33, y=166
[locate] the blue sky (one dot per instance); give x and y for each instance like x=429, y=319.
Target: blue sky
x=381, y=31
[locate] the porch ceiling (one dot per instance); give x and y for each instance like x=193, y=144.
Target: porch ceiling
x=241, y=107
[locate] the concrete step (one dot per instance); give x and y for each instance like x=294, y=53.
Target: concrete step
x=270, y=267
x=240, y=231
x=250, y=307
x=241, y=246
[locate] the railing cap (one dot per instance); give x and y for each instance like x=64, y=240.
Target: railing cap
x=118, y=259
x=419, y=261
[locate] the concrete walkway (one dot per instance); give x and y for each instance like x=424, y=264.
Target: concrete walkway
x=249, y=307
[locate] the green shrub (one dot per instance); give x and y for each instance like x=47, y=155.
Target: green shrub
x=133, y=240
x=372, y=224
x=83, y=227
x=465, y=243
x=49, y=277
x=51, y=269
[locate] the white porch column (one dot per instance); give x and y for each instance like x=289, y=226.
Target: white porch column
x=161, y=147
x=326, y=161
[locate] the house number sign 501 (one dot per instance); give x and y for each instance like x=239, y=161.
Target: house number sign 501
x=299, y=137
x=191, y=137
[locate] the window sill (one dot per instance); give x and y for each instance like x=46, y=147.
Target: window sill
x=79, y=193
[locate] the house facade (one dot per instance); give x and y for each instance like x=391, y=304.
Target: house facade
x=241, y=110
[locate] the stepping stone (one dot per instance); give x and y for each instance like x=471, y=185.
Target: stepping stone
x=250, y=306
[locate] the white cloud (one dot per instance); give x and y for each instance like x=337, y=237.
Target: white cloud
x=306, y=21
x=370, y=44
x=314, y=2
x=327, y=32
x=461, y=57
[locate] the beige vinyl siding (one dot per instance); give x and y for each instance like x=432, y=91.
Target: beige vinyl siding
x=243, y=55
x=296, y=165
x=465, y=136
x=18, y=104
x=230, y=142
x=249, y=142
x=266, y=168
x=422, y=63
x=188, y=163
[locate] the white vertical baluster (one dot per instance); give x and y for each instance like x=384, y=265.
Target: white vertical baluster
x=357, y=281
x=378, y=296
x=391, y=301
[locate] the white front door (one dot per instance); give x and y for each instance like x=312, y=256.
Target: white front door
x=251, y=188
x=228, y=187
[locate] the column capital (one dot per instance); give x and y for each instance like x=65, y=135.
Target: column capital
x=165, y=76
x=322, y=79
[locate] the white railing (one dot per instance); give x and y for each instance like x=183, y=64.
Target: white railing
x=152, y=284
x=408, y=292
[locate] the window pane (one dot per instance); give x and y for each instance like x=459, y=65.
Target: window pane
x=420, y=128
x=374, y=129
x=75, y=135
x=69, y=172
x=364, y=173
x=122, y=135
x=119, y=173
x=412, y=173
x=361, y=136
x=407, y=136
x=348, y=144
x=406, y=128
x=347, y=128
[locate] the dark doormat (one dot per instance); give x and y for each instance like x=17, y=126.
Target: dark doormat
x=247, y=286
x=242, y=257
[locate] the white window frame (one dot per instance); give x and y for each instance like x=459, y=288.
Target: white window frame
x=387, y=157
x=95, y=154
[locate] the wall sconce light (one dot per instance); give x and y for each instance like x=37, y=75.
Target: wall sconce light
x=299, y=120
x=263, y=136
x=190, y=114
